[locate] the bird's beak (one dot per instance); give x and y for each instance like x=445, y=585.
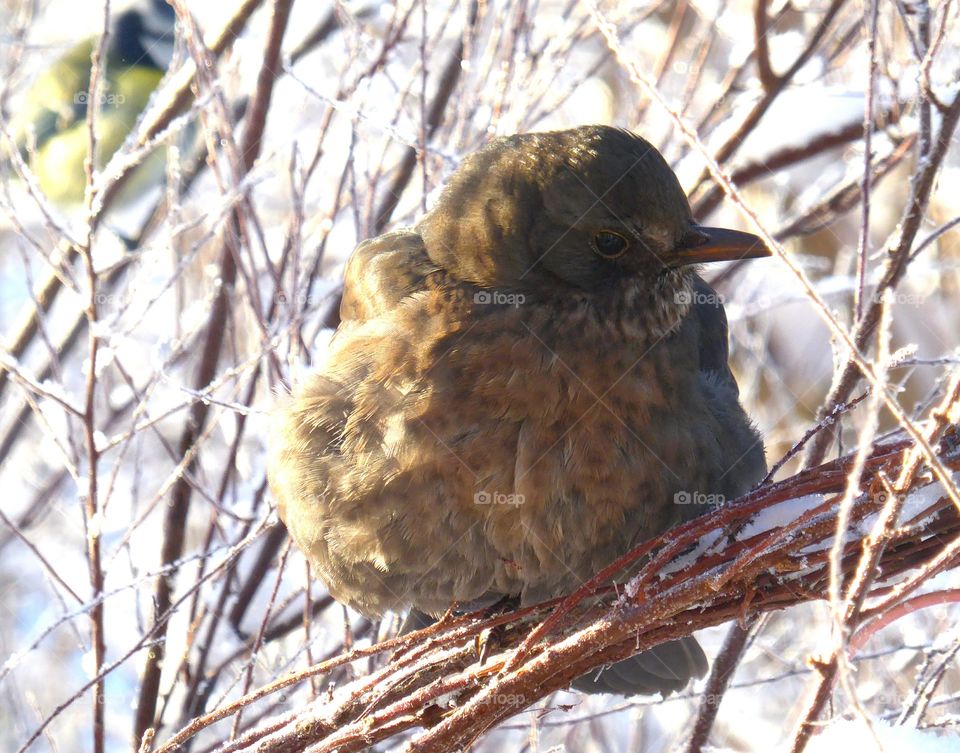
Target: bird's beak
x=705, y=244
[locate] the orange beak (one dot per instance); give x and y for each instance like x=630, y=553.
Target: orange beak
x=706, y=244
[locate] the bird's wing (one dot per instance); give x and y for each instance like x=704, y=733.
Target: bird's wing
x=742, y=445
x=713, y=340
x=381, y=272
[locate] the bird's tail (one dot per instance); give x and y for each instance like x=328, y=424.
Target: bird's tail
x=415, y=620
x=664, y=669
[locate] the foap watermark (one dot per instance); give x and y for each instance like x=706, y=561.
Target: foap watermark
x=498, y=498
x=498, y=298
x=300, y=298
x=106, y=98
x=899, y=298
x=697, y=298
x=696, y=497
x=124, y=298
x=510, y=700
x=880, y=496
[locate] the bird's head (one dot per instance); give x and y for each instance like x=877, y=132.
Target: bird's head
x=143, y=36
x=587, y=209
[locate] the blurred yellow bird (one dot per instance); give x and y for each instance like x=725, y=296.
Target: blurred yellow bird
x=53, y=119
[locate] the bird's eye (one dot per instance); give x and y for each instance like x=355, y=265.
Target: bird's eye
x=609, y=245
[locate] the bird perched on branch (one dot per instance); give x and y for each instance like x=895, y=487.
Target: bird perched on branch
x=52, y=122
x=524, y=386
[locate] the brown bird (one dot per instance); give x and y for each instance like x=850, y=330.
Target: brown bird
x=524, y=386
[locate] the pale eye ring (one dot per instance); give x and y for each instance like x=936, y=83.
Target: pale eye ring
x=609, y=244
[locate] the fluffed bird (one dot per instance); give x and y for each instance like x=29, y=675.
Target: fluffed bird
x=527, y=384
x=53, y=117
